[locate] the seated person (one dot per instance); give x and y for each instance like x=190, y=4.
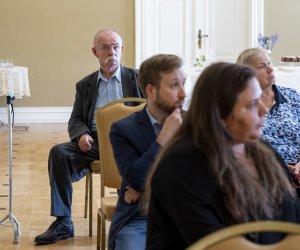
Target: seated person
x=68, y=161
x=215, y=171
x=136, y=141
x=282, y=123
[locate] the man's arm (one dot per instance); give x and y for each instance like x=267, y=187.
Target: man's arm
x=133, y=152
x=82, y=113
x=77, y=125
x=134, y=148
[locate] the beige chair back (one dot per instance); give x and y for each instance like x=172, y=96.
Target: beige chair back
x=232, y=237
x=105, y=117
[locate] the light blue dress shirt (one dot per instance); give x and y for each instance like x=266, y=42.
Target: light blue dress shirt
x=108, y=91
x=155, y=124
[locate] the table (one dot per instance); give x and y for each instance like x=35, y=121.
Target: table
x=288, y=79
x=13, y=83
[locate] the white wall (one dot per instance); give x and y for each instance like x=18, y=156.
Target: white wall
x=283, y=17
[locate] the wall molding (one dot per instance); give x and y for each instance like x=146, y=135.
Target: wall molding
x=38, y=114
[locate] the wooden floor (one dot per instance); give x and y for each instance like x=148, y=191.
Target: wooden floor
x=31, y=192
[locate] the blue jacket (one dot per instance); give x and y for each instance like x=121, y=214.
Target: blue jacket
x=135, y=148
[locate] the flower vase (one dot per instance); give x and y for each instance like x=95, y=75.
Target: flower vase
x=200, y=61
x=268, y=47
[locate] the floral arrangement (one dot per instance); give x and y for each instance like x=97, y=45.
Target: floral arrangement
x=267, y=42
x=200, y=61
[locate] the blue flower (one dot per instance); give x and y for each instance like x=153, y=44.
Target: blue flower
x=267, y=42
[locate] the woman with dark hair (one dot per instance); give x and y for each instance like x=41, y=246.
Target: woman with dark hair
x=216, y=171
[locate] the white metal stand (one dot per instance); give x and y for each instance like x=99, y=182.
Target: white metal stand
x=2, y=123
x=10, y=216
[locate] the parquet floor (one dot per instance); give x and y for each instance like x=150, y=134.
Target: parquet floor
x=31, y=192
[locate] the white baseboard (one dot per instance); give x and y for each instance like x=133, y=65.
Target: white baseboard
x=38, y=114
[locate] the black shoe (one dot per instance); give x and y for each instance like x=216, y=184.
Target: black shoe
x=57, y=231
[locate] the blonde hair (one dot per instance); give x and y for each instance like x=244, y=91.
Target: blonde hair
x=248, y=56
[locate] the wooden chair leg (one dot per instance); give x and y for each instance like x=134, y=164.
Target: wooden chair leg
x=98, y=229
x=102, y=233
x=90, y=203
x=86, y=193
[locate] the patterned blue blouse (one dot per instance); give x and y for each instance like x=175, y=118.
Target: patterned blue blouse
x=282, y=124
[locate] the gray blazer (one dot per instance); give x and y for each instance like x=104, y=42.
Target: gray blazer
x=85, y=100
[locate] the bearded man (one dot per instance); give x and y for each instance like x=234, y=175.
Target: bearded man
x=137, y=139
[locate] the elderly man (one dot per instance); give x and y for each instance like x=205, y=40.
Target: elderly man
x=68, y=161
